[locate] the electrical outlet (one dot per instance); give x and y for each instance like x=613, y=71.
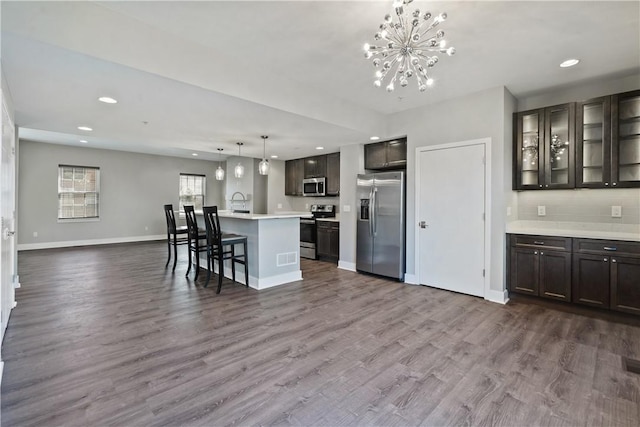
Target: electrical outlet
x=346, y=208
x=306, y=205
x=508, y=210
x=616, y=211
x=146, y=228
x=35, y=234
x=542, y=210
x=279, y=205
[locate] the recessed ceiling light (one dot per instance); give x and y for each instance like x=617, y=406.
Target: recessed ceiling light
x=194, y=154
x=273, y=156
x=569, y=63
x=374, y=138
x=107, y=100
x=84, y=141
x=319, y=148
x=87, y=128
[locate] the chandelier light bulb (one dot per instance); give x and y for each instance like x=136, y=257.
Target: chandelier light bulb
x=407, y=42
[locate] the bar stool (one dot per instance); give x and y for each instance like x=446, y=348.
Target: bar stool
x=195, y=235
x=221, y=247
x=172, y=235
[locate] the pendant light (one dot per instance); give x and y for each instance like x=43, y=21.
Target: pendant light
x=263, y=167
x=219, y=171
x=238, y=171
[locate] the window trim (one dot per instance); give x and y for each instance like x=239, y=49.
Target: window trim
x=97, y=193
x=204, y=189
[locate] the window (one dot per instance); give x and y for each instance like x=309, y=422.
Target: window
x=78, y=192
x=192, y=191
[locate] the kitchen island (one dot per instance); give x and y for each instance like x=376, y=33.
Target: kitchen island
x=273, y=242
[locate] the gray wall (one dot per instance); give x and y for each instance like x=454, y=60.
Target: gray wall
x=276, y=200
x=133, y=188
x=350, y=156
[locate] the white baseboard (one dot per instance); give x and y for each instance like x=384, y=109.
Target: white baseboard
x=280, y=279
x=347, y=265
x=88, y=242
x=501, y=297
x=411, y=279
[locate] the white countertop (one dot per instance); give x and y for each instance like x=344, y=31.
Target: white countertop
x=587, y=230
x=254, y=217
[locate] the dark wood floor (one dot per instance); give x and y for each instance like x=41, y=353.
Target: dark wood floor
x=107, y=336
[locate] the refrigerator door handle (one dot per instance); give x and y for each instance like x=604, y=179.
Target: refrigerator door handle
x=373, y=202
x=371, y=212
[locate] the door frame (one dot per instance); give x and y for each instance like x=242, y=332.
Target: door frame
x=486, y=142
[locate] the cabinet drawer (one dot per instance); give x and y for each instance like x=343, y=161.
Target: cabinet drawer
x=611, y=247
x=549, y=242
x=335, y=225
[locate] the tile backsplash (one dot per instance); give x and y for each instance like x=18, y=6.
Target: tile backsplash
x=300, y=203
x=581, y=205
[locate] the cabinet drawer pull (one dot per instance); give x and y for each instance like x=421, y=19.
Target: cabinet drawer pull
x=610, y=248
x=606, y=259
x=535, y=242
x=541, y=253
x=535, y=252
x=613, y=260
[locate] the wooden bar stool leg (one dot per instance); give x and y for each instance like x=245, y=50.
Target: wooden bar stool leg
x=189, y=267
x=246, y=264
x=175, y=252
x=168, y=249
x=220, y=269
x=233, y=263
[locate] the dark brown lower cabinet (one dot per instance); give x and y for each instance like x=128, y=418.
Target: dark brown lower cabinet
x=606, y=273
x=625, y=284
x=591, y=280
x=328, y=242
x=540, y=266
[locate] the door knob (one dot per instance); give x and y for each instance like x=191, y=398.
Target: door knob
x=422, y=224
x=6, y=233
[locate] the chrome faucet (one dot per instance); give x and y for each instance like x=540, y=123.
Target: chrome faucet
x=242, y=199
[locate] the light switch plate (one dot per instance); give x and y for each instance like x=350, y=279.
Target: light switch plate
x=542, y=210
x=346, y=208
x=616, y=211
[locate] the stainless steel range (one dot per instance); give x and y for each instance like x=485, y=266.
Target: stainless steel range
x=308, y=234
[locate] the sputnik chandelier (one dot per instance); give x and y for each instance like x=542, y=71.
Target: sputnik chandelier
x=406, y=47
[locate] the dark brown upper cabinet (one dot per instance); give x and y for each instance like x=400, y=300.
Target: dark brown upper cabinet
x=544, y=151
x=315, y=167
x=333, y=174
x=386, y=155
x=625, y=139
x=293, y=176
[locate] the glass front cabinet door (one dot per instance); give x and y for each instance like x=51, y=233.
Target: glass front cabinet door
x=625, y=153
x=528, y=154
x=593, y=143
x=559, y=146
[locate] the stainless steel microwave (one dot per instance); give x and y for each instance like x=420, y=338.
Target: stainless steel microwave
x=314, y=187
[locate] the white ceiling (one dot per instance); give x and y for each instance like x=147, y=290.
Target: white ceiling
x=204, y=75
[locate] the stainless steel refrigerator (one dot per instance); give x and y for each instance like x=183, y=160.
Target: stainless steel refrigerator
x=381, y=224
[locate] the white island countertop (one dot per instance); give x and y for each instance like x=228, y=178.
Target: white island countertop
x=255, y=217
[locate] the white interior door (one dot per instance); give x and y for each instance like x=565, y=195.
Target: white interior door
x=7, y=240
x=451, y=202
